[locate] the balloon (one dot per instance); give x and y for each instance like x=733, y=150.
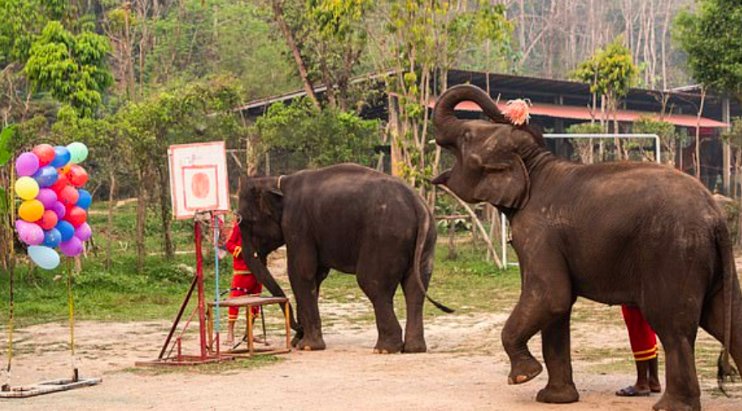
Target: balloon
x=68, y=196
x=31, y=210
x=77, y=176
x=76, y=216
x=45, y=154
x=65, y=230
x=78, y=152
x=46, y=176
x=29, y=233
x=61, y=156
x=71, y=247
x=84, y=200
x=59, y=209
x=52, y=238
x=26, y=164
x=47, y=197
x=44, y=257
x=27, y=188
x=49, y=220
x=83, y=232
x=60, y=184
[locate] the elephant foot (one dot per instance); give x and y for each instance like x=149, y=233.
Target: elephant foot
x=307, y=344
x=414, y=347
x=669, y=403
x=524, y=370
x=388, y=348
x=558, y=394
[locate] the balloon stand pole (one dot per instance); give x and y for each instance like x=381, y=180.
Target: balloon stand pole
x=167, y=357
x=62, y=384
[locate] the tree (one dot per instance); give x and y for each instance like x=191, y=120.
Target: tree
x=323, y=137
x=584, y=147
x=610, y=72
x=71, y=67
x=669, y=137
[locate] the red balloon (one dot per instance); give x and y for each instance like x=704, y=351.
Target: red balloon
x=78, y=176
x=61, y=183
x=45, y=153
x=48, y=220
x=69, y=196
x=76, y=216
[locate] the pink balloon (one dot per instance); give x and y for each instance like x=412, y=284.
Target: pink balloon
x=29, y=233
x=71, y=247
x=48, y=197
x=26, y=164
x=84, y=232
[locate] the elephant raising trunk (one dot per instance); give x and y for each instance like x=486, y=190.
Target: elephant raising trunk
x=448, y=127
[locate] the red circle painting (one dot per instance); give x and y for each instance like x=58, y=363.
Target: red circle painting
x=200, y=185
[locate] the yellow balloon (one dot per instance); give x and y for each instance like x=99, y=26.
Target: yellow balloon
x=31, y=210
x=27, y=188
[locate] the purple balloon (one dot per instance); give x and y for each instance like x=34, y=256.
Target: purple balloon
x=59, y=209
x=83, y=232
x=29, y=233
x=26, y=164
x=71, y=247
x=48, y=197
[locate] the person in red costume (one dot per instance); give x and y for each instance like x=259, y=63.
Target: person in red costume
x=243, y=281
x=644, y=345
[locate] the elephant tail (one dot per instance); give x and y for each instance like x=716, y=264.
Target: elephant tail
x=423, y=227
x=724, y=245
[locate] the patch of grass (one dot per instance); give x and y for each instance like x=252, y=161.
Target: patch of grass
x=220, y=368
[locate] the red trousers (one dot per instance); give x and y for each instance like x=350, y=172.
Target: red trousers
x=243, y=283
x=641, y=335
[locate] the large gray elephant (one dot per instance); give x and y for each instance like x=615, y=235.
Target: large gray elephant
x=352, y=219
x=616, y=233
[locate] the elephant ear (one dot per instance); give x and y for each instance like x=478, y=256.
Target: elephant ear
x=270, y=202
x=505, y=181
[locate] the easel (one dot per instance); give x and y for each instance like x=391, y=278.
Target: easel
x=51, y=386
x=204, y=356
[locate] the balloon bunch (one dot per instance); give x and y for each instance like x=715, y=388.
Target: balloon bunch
x=54, y=208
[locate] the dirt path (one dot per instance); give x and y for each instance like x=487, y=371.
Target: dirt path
x=465, y=369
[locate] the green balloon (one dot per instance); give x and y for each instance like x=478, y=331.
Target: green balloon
x=78, y=152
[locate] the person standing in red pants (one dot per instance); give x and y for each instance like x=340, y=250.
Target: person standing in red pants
x=644, y=345
x=243, y=281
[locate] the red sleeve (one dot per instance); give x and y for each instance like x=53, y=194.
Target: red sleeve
x=234, y=243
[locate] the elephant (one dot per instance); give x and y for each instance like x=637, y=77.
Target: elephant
x=633, y=233
x=352, y=219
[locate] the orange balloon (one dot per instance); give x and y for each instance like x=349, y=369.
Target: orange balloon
x=31, y=210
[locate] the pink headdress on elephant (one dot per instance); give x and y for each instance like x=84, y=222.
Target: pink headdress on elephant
x=517, y=111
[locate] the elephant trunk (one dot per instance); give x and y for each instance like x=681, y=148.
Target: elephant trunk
x=448, y=127
x=263, y=275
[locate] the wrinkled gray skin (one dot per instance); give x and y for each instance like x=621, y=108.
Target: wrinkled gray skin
x=351, y=219
x=617, y=233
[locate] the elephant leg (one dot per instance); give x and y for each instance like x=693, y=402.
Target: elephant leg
x=414, y=337
x=556, y=350
x=543, y=299
x=381, y=293
x=303, y=270
x=713, y=318
x=682, y=392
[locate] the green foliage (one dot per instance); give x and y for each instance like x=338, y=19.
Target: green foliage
x=585, y=128
x=71, y=67
x=6, y=135
x=734, y=133
x=665, y=130
x=21, y=21
x=324, y=136
x=712, y=38
x=610, y=71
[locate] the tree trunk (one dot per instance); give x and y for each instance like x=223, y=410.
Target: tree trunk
x=298, y=59
x=698, y=133
x=141, y=220
x=165, y=214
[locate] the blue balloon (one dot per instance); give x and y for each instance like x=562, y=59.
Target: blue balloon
x=84, y=200
x=44, y=257
x=66, y=230
x=52, y=238
x=61, y=156
x=46, y=176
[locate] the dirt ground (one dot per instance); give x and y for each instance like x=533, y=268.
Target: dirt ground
x=465, y=368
